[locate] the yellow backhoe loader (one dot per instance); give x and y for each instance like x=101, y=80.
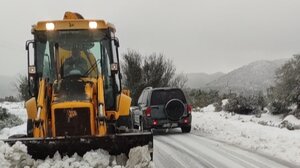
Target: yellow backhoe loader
x=77, y=99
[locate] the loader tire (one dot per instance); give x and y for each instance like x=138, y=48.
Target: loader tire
x=125, y=121
x=29, y=128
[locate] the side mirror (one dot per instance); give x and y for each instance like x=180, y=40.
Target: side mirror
x=116, y=41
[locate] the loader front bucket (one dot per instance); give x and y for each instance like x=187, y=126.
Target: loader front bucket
x=40, y=148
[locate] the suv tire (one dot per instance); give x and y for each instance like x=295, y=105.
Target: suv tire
x=186, y=129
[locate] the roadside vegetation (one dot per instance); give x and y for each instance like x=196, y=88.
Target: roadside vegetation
x=154, y=70
x=8, y=120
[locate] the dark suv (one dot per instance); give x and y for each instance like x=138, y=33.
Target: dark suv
x=162, y=108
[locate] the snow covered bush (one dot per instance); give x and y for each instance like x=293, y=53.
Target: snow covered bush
x=245, y=105
x=238, y=105
x=218, y=106
x=202, y=98
x=8, y=120
x=8, y=99
x=278, y=107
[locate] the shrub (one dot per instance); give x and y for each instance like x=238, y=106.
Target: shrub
x=218, y=106
x=278, y=107
x=244, y=105
x=8, y=120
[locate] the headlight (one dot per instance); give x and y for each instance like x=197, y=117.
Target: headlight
x=50, y=26
x=93, y=25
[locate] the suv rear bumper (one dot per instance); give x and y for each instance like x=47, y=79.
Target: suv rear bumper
x=166, y=123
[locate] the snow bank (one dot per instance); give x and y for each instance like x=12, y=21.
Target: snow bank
x=292, y=119
x=291, y=122
x=209, y=108
x=20, y=129
x=16, y=156
x=249, y=132
x=139, y=157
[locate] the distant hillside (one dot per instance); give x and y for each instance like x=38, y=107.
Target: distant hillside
x=7, y=86
x=256, y=76
x=199, y=80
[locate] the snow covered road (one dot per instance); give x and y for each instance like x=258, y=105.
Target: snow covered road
x=178, y=150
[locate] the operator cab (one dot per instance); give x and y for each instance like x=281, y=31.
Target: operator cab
x=72, y=59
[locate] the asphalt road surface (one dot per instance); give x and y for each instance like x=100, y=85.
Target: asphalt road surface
x=177, y=150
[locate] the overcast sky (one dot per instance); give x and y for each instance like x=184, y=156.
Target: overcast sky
x=199, y=36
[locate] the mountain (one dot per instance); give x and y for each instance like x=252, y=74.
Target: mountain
x=7, y=86
x=199, y=80
x=256, y=76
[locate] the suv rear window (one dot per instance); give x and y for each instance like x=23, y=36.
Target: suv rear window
x=161, y=97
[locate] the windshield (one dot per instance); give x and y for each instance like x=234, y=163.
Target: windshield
x=161, y=97
x=68, y=53
x=62, y=55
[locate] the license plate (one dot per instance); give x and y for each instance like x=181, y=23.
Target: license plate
x=174, y=125
x=168, y=125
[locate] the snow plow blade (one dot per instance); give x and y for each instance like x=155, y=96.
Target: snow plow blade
x=40, y=148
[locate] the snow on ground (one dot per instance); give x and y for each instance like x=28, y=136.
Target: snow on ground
x=20, y=129
x=265, y=134
x=16, y=108
x=16, y=155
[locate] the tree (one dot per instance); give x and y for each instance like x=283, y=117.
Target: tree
x=157, y=71
x=132, y=73
x=154, y=70
x=22, y=87
x=287, y=87
x=179, y=81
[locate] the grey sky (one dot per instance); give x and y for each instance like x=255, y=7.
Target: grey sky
x=199, y=36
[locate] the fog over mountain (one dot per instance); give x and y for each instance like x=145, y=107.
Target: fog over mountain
x=199, y=80
x=256, y=76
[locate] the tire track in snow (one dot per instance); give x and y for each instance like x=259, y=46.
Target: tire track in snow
x=163, y=158
x=186, y=150
x=180, y=153
x=214, y=149
x=238, y=152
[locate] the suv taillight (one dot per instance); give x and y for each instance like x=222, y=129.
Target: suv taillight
x=148, y=111
x=189, y=108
